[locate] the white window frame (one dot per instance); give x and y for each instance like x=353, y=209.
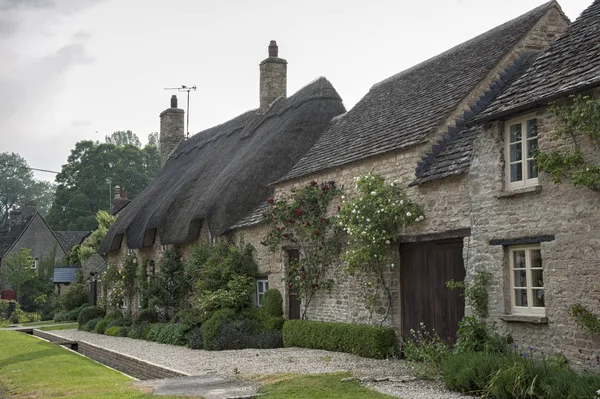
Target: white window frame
x=130, y=251
x=529, y=309
x=164, y=248
x=36, y=263
x=526, y=181
x=259, y=293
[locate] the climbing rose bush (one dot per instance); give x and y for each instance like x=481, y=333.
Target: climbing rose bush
x=301, y=220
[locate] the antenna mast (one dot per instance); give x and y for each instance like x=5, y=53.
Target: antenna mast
x=187, y=111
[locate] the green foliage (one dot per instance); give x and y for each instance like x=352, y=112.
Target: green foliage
x=302, y=220
x=82, y=188
x=170, y=287
x=194, y=339
x=121, y=138
x=210, y=329
x=470, y=372
x=91, y=244
x=89, y=313
x=223, y=274
x=90, y=326
x=74, y=298
x=580, y=118
x=242, y=333
x=128, y=276
x=4, y=305
x=476, y=292
x=585, y=319
x=101, y=326
x=425, y=352
x=139, y=331
x=475, y=336
x=112, y=331
x=272, y=302
x=361, y=340
x=146, y=315
x=168, y=333
x=19, y=188
x=113, y=292
x=142, y=283
x=18, y=270
x=18, y=315
x=373, y=221
x=263, y=318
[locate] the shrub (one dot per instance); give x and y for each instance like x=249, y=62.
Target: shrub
x=124, y=331
x=90, y=326
x=101, y=326
x=139, y=331
x=194, y=338
x=75, y=297
x=18, y=315
x=210, y=329
x=474, y=336
x=167, y=333
x=470, y=372
x=361, y=340
x=241, y=334
x=73, y=314
x=272, y=303
x=113, y=331
x=274, y=323
x=146, y=315
x=114, y=315
x=425, y=351
x=262, y=317
x=87, y=314
x=60, y=316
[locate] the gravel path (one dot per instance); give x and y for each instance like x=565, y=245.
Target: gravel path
x=270, y=361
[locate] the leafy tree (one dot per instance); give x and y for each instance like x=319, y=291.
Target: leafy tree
x=90, y=246
x=580, y=124
x=19, y=270
x=83, y=184
x=169, y=288
x=154, y=139
x=17, y=186
x=122, y=138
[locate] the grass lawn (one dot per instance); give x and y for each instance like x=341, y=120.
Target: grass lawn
x=32, y=368
x=62, y=326
x=315, y=386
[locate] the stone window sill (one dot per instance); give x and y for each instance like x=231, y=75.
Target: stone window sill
x=524, y=318
x=520, y=191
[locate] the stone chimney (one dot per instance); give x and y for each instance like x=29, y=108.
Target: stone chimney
x=273, y=77
x=29, y=209
x=14, y=218
x=171, y=130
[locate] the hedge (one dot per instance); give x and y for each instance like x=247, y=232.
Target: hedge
x=361, y=340
x=87, y=314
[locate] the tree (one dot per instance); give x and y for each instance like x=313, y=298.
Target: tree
x=154, y=139
x=90, y=246
x=122, y=138
x=17, y=186
x=19, y=270
x=85, y=182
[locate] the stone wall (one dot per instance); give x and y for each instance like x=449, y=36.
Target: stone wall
x=570, y=261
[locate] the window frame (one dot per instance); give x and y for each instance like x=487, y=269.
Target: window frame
x=528, y=310
x=525, y=159
x=130, y=252
x=259, y=294
x=36, y=263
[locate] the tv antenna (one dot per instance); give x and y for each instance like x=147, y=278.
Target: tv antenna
x=187, y=111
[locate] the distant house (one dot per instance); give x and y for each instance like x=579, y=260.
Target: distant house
x=457, y=131
x=63, y=277
x=28, y=229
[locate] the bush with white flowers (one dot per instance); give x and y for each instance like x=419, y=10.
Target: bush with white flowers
x=373, y=221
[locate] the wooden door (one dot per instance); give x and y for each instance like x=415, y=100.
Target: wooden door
x=293, y=302
x=424, y=270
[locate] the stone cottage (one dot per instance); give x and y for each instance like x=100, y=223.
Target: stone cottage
x=441, y=129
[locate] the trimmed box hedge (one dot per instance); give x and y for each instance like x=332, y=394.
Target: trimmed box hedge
x=361, y=340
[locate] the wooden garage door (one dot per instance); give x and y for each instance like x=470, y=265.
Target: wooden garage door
x=424, y=269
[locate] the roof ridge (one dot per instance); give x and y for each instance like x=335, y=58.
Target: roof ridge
x=546, y=6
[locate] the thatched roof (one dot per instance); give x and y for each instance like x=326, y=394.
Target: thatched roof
x=404, y=109
x=220, y=175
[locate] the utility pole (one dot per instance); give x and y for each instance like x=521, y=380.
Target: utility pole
x=187, y=111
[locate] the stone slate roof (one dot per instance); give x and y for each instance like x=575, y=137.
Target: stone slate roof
x=255, y=217
x=65, y=274
x=7, y=239
x=572, y=63
x=453, y=155
x=403, y=109
x=222, y=174
x=68, y=239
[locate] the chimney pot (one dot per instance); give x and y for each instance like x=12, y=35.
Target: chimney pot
x=173, y=101
x=117, y=191
x=273, y=49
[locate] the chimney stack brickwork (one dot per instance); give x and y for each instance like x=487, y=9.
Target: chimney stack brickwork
x=171, y=130
x=273, y=77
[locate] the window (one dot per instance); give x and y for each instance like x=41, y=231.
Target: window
x=521, y=142
x=36, y=263
x=129, y=251
x=152, y=267
x=164, y=248
x=527, y=280
x=261, y=286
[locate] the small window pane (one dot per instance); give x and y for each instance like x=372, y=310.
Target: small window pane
x=515, y=133
x=538, y=298
x=519, y=259
x=521, y=278
x=532, y=144
x=536, y=258
x=532, y=128
x=266, y=285
x=520, y=297
x=537, y=278
x=260, y=286
x=515, y=152
x=516, y=172
x=532, y=170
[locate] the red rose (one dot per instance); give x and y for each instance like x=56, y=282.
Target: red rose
x=270, y=200
x=313, y=183
x=325, y=187
x=285, y=236
x=303, y=276
x=299, y=211
x=313, y=286
x=323, y=220
x=277, y=228
x=338, y=207
x=292, y=221
x=264, y=215
x=316, y=232
x=262, y=243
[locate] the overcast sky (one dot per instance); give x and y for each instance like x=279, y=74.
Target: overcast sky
x=81, y=69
